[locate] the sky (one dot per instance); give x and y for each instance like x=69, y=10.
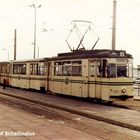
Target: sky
x=55, y=17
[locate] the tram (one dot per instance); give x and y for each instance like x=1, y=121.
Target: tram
x=100, y=74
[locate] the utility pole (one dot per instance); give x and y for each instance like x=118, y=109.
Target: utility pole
x=15, y=44
x=114, y=26
x=35, y=11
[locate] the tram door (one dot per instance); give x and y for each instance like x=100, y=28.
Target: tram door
x=102, y=80
x=77, y=78
x=92, y=76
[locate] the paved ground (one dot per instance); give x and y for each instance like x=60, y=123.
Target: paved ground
x=122, y=117
x=18, y=122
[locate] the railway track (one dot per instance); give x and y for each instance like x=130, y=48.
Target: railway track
x=77, y=121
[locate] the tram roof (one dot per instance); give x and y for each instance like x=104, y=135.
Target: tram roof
x=30, y=60
x=93, y=54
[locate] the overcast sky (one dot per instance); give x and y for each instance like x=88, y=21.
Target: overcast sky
x=56, y=16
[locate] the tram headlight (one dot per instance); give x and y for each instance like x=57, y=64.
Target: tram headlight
x=123, y=90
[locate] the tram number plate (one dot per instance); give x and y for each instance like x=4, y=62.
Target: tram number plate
x=116, y=91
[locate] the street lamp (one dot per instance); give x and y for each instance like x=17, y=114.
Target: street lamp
x=7, y=52
x=37, y=50
x=35, y=8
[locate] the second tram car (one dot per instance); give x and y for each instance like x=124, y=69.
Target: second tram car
x=100, y=74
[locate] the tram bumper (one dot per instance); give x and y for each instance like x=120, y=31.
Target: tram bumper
x=121, y=93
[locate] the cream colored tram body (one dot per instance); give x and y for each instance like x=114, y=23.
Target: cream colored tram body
x=30, y=74
x=100, y=74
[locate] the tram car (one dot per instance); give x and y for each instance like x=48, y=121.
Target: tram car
x=29, y=74
x=99, y=74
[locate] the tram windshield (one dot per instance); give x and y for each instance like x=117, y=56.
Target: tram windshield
x=122, y=71
x=119, y=70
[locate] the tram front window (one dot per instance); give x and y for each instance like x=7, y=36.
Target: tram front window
x=112, y=71
x=117, y=71
x=122, y=71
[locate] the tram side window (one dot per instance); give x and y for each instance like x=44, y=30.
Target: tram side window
x=2, y=69
x=23, y=68
x=67, y=70
x=31, y=69
x=19, y=69
x=8, y=68
x=58, y=69
x=36, y=69
x=39, y=69
x=99, y=69
x=92, y=69
x=5, y=68
x=77, y=68
x=14, y=69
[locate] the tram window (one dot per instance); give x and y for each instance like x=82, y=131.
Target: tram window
x=112, y=71
x=8, y=69
x=104, y=68
x=19, y=69
x=99, y=69
x=5, y=69
x=58, y=69
x=92, y=69
x=77, y=71
x=121, y=71
x=31, y=69
x=41, y=70
x=23, y=69
x=77, y=68
x=67, y=70
x=2, y=69
x=14, y=69
x=38, y=68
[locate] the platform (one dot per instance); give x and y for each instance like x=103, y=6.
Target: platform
x=17, y=124
x=118, y=116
